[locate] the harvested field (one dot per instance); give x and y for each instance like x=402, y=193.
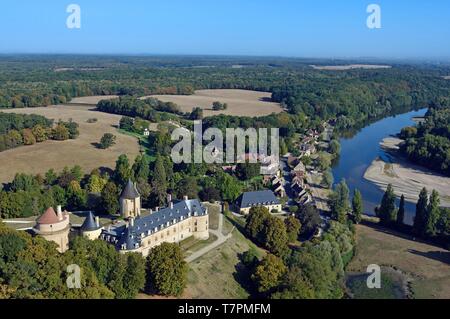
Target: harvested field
x=39, y=158
x=349, y=67
x=427, y=267
x=91, y=100
x=240, y=102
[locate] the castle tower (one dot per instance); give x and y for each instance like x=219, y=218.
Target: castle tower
x=130, y=201
x=54, y=227
x=91, y=228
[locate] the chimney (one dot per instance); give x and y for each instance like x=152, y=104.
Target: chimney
x=156, y=209
x=131, y=222
x=169, y=198
x=97, y=221
x=185, y=197
x=59, y=212
x=151, y=211
x=171, y=205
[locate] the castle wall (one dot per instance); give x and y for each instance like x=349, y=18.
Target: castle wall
x=194, y=226
x=92, y=235
x=61, y=238
x=130, y=207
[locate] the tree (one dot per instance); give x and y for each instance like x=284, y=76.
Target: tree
x=357, y=205
x=217, y=106
x=107, y=141
x=76, y=196
x=197, y=114
x=433, y=214
x=159, y=182
x=309, y=218
x=256, y=221
x=188, y=187
x=141, y=168
x=387, y=211
x=96, y=184
x=324, y=161
x=247, y=171
x=50, y=177
x=276, y=237
x=340, y=202
x=294, y=286
x=335, y=148
x=135, y=276
x=126, y=123
x=401, y=212
x=122, y=172
x=39, y=133
x=293, y=227
x=421, y=213
x=250, y=258
x=167, y=270
x=110, y=195
x=60, y=133
x=268, y=273
x=327, y=178
x=210, y=194
x=229, y=187
x=28, y=137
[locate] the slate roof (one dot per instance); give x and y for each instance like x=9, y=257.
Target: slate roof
x=132, y=236
x=130, y=191
x=89, y=223
x=259, y=198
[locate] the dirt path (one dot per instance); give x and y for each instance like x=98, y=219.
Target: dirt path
x=39, y=158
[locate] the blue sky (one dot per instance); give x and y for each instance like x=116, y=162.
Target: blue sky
x=305, y=28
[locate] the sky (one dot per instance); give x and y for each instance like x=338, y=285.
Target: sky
x=294, y=28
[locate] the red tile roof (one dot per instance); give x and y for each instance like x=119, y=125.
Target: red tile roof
x=49, y=217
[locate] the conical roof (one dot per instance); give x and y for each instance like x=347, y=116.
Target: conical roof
x=89, y=223
x=130, y=191
x=49, y=217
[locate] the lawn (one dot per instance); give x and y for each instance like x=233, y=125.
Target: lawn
x=219, y=273
x=144, y=145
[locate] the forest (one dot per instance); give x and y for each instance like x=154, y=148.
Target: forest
x=428, y=143
x=351, y=97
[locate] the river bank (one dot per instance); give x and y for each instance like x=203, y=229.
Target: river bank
x=406, y=178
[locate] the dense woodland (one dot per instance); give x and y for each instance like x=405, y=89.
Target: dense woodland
x=428, y=143
x=353, y=97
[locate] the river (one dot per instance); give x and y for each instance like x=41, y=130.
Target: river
x=358, y=152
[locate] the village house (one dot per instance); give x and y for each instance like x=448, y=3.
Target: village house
x=264, y=198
